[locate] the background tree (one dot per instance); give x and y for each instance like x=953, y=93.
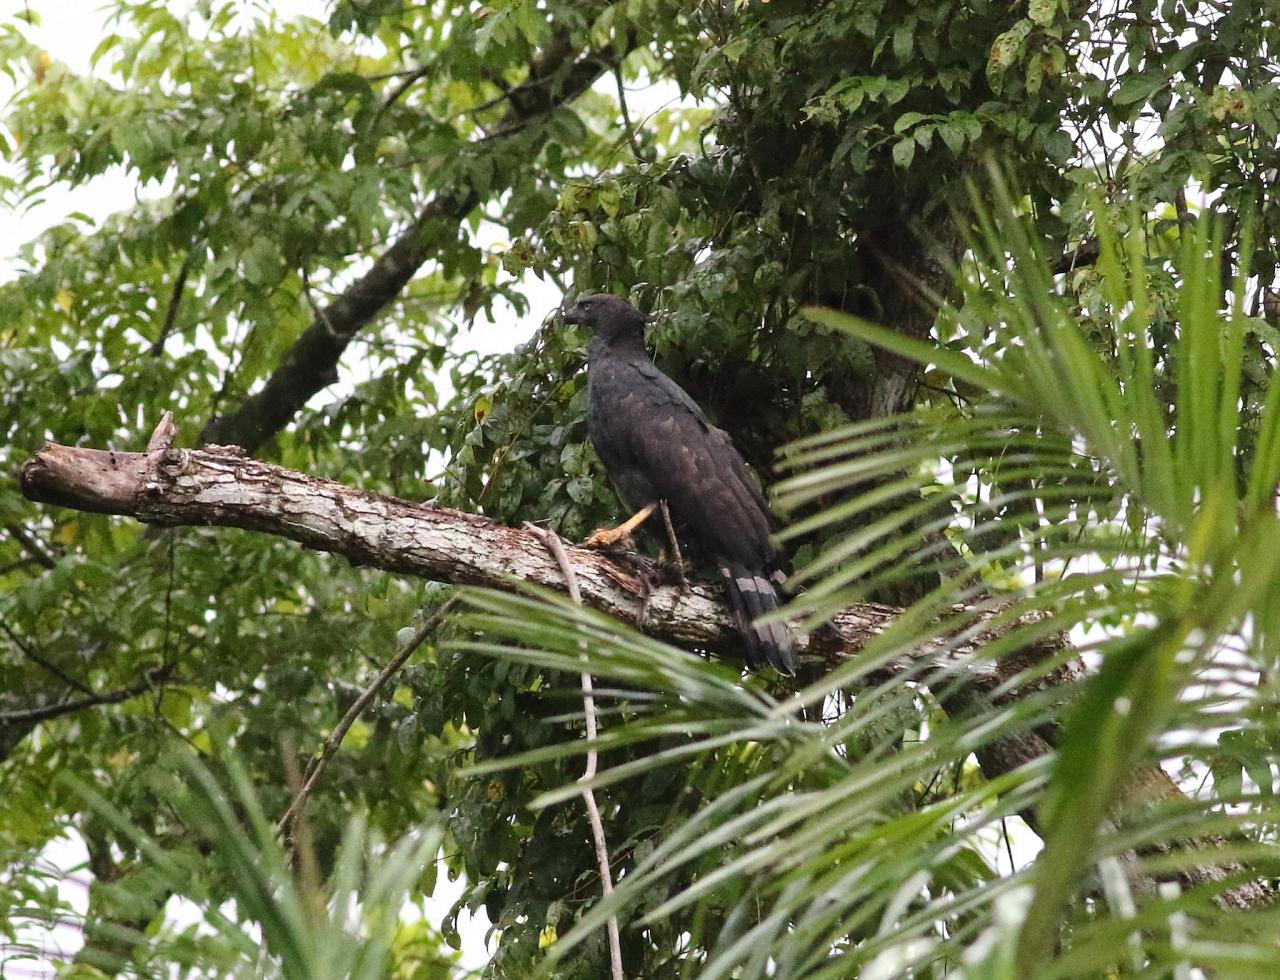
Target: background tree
x=335, y=201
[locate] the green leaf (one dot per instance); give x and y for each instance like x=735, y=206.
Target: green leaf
x=903, y=39
x=903, y=152
x=1008, y=47
x=907, y=120
x=1139, y=88
x=952, y=136
x=580, y=489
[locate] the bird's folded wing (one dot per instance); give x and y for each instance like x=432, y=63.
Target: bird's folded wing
x=695, y=468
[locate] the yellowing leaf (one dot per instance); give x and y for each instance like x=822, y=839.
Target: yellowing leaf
x=63, y=300
x=357, y=736
x=67, y=533
x=119, y=760
x=1042, y=11
x=547, y=937
x=1007, y=47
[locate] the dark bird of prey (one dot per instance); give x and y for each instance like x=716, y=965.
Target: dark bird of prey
x=659, y=449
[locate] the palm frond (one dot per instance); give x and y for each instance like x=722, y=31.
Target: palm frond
x=846, y=828
x=343, y=928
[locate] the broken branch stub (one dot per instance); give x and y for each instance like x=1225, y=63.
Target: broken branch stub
x=221, y=486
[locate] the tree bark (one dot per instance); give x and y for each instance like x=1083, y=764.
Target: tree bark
x=220, y=485
x=310, y=365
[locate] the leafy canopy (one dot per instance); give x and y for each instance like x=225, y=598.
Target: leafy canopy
x=1065, y=420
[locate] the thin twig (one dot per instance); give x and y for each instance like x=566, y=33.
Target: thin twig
x=1086, y=253
x=633, y=135
x=676, y=558
x=303, y=847
x=29, y=652
x=316, y=767
x=319, y=312
x=153, y=678
x=171, y=313
x=33, y=545
x=552, y=542
x=385, y=76
x=410, y=79
x=14, y=566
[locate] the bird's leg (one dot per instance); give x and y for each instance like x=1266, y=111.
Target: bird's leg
x=676, y=558
x=609, y=536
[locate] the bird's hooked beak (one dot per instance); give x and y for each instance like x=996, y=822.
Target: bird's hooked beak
x=573, y=315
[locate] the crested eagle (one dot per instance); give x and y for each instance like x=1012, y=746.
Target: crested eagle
x=660, y=450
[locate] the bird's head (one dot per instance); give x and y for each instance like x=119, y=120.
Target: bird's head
x=610, y=318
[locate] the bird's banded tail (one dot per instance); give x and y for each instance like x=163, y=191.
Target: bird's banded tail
x=753, y=594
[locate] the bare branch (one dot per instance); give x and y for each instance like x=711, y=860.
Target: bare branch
x=1086, y=253
x=30, y=653
x=162, y=435
x=56, y=710
x=553, y=544
x=220, y=486
x=171, y=312
x=33, y=546
x=410, y=79
x=310, y=365
x=316, y=767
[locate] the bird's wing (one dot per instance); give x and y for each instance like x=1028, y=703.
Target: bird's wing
x=694, y=467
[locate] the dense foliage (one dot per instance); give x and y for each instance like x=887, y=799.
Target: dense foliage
x=1069, y=408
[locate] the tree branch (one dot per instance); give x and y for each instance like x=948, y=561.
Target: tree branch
x=32, y=545
x=56, y=710
x=1086, y=253
x=310, y=365
x=171, y=312
x=221, y=486
x=553, y=544
x=316, y=767
x=29, y=652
